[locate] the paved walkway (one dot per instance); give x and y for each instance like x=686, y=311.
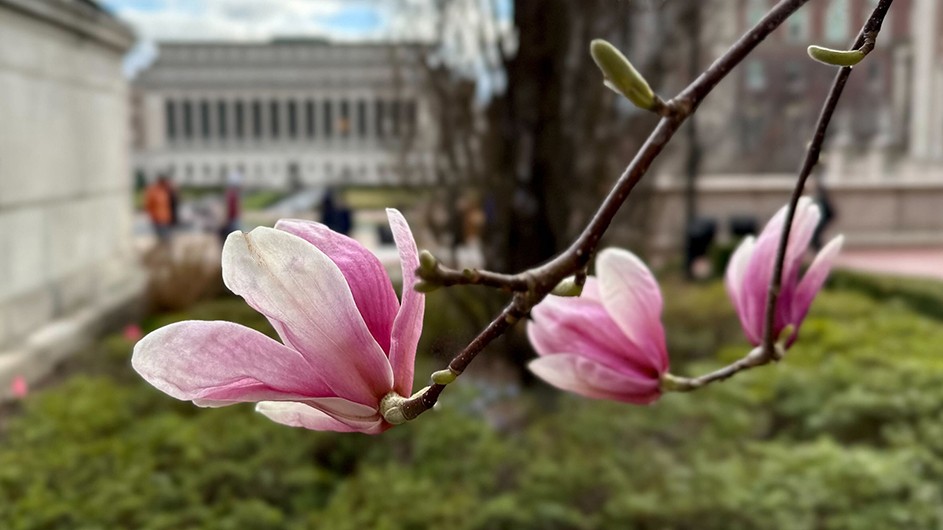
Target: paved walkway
x=915, y=262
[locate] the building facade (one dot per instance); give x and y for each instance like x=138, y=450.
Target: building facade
x=286, y=113
x=67, y=260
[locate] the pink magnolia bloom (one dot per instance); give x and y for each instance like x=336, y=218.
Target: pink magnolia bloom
x=346, y=340
x=132, y=333
x=751, y=267
x=608, y=343
x=19, y=387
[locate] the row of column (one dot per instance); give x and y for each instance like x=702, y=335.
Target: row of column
x=291, y=119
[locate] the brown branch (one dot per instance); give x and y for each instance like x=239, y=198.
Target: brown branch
x=542, y=279
x=865, y=42
x=769, y=350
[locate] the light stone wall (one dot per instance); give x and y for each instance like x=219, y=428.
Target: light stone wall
x=902, y=209
x=65, y=184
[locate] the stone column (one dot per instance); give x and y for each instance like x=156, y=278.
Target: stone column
x=925, y=105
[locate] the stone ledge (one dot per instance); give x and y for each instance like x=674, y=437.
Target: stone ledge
x=39, y=353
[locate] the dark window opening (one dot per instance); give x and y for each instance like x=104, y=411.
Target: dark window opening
x=379, y=118
x=273, y=118
x=222, y=119
x=292, y=119
x=311, y=124
x=171, y=109
x=240, y=120
x=257, y=119
x=362, y=118
x=205, y=119
x=328, y=119
x=343, y=124
x=187, y=120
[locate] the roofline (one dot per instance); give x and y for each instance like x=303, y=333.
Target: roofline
x=86, y=18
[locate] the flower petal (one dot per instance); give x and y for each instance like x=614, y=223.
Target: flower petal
x=582, y=376
x=366, y=277
x=583, y=326
x=219, y=363
x=296, y=414
x=814, y=278
x=632, y=298
x=735, y=278
x=292, y=282
x=407, y=327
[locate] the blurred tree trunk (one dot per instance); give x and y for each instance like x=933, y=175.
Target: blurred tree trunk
x=547, y=142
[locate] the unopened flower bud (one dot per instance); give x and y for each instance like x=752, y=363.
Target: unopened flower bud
x=567, y=287
x=836, y=57
x=621, y=76
x=444, y=377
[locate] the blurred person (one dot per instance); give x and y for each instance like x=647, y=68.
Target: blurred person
x=232, y=199
x=158, y=202
x=821, y=197
x=334, y=213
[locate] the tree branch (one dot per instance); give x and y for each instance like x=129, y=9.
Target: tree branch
x=542, y=279
x=865, y=42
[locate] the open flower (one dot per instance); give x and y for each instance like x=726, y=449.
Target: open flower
x=609, y=343
x=751, y=267
x=346, y=340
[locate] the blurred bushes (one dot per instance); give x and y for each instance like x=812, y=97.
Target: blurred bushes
x=847, y=434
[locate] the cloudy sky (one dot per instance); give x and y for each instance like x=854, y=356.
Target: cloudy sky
x=247, y=20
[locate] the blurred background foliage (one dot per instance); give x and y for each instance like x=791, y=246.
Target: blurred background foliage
x=845, y=434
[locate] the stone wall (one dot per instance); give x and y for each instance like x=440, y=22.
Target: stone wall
x=65, y=185
x=901, y=211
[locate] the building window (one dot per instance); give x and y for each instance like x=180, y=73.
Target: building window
x=221, y=118
x=411, y=119
x=257, y=119
x=756, y=9
x=343, y=124
x=171, y=109
x=292, y=119
x=396, y=110
x=310, y=122
x=836, y=21
x=328, y=119
x=755, y=75
x=205, y=119
x=240, y=120
x=362, y=118
x=187, y=120
x=273, y=118
x=379, y=117
x=797, y=27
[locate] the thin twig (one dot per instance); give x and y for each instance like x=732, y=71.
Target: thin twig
x=865, y=42
x=769, y=350
x=542, y=279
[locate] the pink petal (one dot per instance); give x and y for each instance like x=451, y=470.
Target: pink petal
x=408, y=324
x=585, y=327
x=755, y=287
x=807, y=218
x=814, y=278
x=579, y=375
x=296, y=414
x=293, y=283
x=219, y=363
x=633, y=300
x=366, y=277
x=735, y=278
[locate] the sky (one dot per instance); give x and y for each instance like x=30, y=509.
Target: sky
x=242, y=20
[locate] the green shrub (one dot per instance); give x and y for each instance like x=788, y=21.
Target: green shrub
x=845, y=434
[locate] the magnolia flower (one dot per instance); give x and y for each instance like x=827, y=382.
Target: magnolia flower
x=609, y=343
x=346, y=341
x=751, y=267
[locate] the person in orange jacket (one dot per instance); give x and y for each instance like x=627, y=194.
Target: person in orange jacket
x=158, y=203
